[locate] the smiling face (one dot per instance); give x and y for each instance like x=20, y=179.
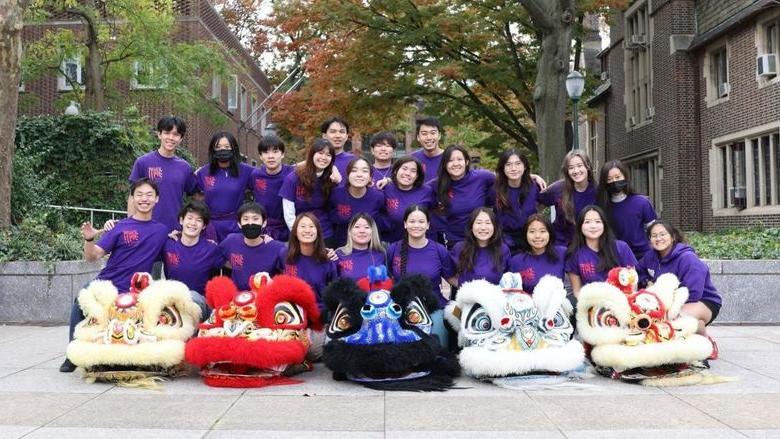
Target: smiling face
x=145, y=198
x=360, y=174
x=406, y=175
x=483, y=228
x=514, y=169
x=429, y=137
x=382, y=151
x=191, y=225
x=660, y=239
x=361, y=233
x=337, y=134
x=538, y=236
x=592, y=225
x=577, y=170
x=416, y=224
x=169, y=140
x=306, y=231
x=456, y=166
x=322, y=159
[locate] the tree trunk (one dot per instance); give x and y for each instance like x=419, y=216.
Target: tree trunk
x=11, y=23
x=555, y=20
x=93, y=82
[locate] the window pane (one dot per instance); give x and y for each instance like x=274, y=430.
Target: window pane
x=72, y=71
x=777, y=160
x=724, y=172
x=767, y=183
x=756, y=178
x=738, y=169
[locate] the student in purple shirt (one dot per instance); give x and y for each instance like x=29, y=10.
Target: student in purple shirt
x=250, y=252
x=483, y=253
x=406, y=189
x=308, y=188
x=363, y=248
x=594, y=250
x=539, y=255
x=671, y=254
x=267, y=181
x=515, y=196
x=429, y=132
x=575, y=190
x=336, y=131
x=306, y=256
x=356, y=197
x=416, y=254
x=191, y=259
x=224, y=183
x=460, y=190
x=134, y=244
x=383, y=146
x=172, y=174
x=629, y=213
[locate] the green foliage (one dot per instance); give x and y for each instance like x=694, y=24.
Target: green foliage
x=751, y=243
x=35, y=240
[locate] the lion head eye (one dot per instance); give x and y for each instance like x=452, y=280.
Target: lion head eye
x=286, y=313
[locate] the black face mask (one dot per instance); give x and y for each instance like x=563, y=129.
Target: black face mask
x=223, y=155
x=251, y=231
x=617, y=186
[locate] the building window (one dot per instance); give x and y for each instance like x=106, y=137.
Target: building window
x=768, y=50
x=263, y=119
x=147, y=76
x=718, y=83
x=639, y=95
x=71, y=73
x=255, y=114
x=745, y=172
x=244, y=103
x=216, y=88
x=233, y=92
x=593, y=140
x=646, y=178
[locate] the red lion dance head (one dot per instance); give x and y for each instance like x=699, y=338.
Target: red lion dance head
x=258, y=337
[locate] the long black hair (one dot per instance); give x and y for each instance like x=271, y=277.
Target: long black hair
x=234, y=161
x=549, y=250
x=470, y=244
x=405, y=242
x=307, y=171
x=602, y=193
x=502, y=182
x=409, y=159
x=608, y=256
x=444, y=180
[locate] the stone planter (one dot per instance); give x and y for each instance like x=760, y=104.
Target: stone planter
x=750, y=290
x=42, y=292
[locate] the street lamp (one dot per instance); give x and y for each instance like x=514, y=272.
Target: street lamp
x=575, y=83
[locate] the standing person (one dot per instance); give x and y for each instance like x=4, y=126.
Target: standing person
x=575, y=190
x=405, y=189
x=383, y=146
x=629, y=213
x=356, y=197
x=363, y=248
x=460, y=190
x=173, y=175
x=429, y=132
x=483, y=253
x=134, y=244
x=671, y=254
x=516, y=196
x=308, y=188
x=336, y=131
x=594, y=250
x=539, y=256
x=192, y=259
x=224, y=182
x=267, y=181
x=306, y=256
x=416, y=254
x=250, y=252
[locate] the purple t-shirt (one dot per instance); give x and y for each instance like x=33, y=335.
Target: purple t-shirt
x=191, y=265
x=396, y=202
x=513, y=218
x=134, y=246
x=317, y=274
x=628, y=218
x=266, y=190
x=315, y=202
x=340, y=162
x=430, y=164
x=355, y=265
x=431, y=261
x=552, y=196
x=224, y=194
x=484, y=266
x=475, y=189
x=173, y=176
x=380, y=173
x=245, y=261
x=343, y=206
x=533, y=267
x=584, y=262
x=689, y=269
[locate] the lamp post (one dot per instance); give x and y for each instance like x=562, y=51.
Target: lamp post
x=575, y=83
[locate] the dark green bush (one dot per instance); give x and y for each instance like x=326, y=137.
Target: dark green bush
x=35, y=240
x=752, y=243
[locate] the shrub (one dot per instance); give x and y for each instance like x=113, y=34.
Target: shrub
x=35, y=240
x=752, y=243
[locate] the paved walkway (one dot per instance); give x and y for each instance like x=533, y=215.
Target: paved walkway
x=37, y=401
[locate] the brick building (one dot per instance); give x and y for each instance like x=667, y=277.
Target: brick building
x=239, y=99
x=690, y=101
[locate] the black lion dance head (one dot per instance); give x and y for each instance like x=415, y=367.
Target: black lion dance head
x=380, y=334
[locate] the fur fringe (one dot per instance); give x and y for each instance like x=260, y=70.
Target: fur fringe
x=697, y=378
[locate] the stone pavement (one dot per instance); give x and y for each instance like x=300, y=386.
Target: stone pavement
x=38, y=401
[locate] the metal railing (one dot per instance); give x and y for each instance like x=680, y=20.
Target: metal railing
x=91, y=211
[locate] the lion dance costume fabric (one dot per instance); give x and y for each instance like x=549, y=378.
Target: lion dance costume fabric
x=380, y=334
x=508, y=335
x=640, y=335
x=134, y=338
x=258, y=337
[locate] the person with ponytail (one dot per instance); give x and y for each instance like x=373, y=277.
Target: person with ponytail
x=516, y=194
x=363, y=248
x=483, y=254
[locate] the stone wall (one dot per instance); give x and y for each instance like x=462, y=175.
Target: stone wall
x=750, y=290
x=42, y=292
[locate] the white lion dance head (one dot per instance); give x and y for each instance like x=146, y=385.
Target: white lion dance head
x=506, y=332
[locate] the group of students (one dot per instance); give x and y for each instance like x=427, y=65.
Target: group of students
x=335, y=214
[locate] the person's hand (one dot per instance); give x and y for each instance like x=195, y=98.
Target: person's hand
x=335, y=175
x=88, y=232
x=539, y=181
x=332, y=254
x=108, y=225
x=175, y=234
x=383, y=182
